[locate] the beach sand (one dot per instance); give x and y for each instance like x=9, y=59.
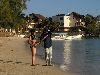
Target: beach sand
x=15, y=59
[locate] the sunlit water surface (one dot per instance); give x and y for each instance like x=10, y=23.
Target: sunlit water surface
x=79, y=56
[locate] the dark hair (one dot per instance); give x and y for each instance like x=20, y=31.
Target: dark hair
x=32, y=30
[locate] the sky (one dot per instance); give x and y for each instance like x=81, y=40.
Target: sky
x=50, y=8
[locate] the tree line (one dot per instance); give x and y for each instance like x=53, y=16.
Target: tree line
x=12, y=17
x=91, y=29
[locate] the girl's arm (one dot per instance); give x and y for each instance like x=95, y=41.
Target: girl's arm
x=37, y=43
x=29, y=40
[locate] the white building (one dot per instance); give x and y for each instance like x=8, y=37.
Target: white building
x=67, y=21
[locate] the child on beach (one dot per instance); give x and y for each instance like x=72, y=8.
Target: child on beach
x=33, y=43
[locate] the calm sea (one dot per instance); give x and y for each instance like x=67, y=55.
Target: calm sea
x=79, y=56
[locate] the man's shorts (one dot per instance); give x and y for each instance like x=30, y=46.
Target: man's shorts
x=48, y=53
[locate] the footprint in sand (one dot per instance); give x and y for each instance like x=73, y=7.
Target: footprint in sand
x=9, y=61
x=18, y=62
x=1, y=45
x=1, y=70
x=12, y=50
x=1, y=60
x=27, y=63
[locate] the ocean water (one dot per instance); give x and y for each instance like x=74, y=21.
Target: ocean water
x=77, y=56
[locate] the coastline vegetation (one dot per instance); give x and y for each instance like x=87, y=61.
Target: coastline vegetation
x=91, y=29
x=11, y=14
x=12, y=17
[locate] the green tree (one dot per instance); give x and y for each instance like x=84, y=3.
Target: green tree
x=90, y=24
x=11, y=13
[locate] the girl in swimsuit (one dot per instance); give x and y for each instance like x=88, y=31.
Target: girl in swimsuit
x=33, y=43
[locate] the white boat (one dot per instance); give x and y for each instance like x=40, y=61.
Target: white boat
x=22, y=36
x=74, y=37
x=57, y=38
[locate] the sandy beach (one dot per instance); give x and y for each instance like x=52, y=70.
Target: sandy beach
x=15, y=59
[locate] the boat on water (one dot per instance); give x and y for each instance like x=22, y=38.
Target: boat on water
x=57, y=38
x=73, y=37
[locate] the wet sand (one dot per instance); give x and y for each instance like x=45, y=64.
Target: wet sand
x=15, y=59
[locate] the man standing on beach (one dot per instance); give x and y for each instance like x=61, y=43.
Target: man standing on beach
x=46, y=38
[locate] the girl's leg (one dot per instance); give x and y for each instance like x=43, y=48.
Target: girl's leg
x=33, y=55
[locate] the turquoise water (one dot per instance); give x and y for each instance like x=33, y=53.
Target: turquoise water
x=79, y=56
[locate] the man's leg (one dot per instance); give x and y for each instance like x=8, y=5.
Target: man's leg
x=50, y=55
x=47, y=56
